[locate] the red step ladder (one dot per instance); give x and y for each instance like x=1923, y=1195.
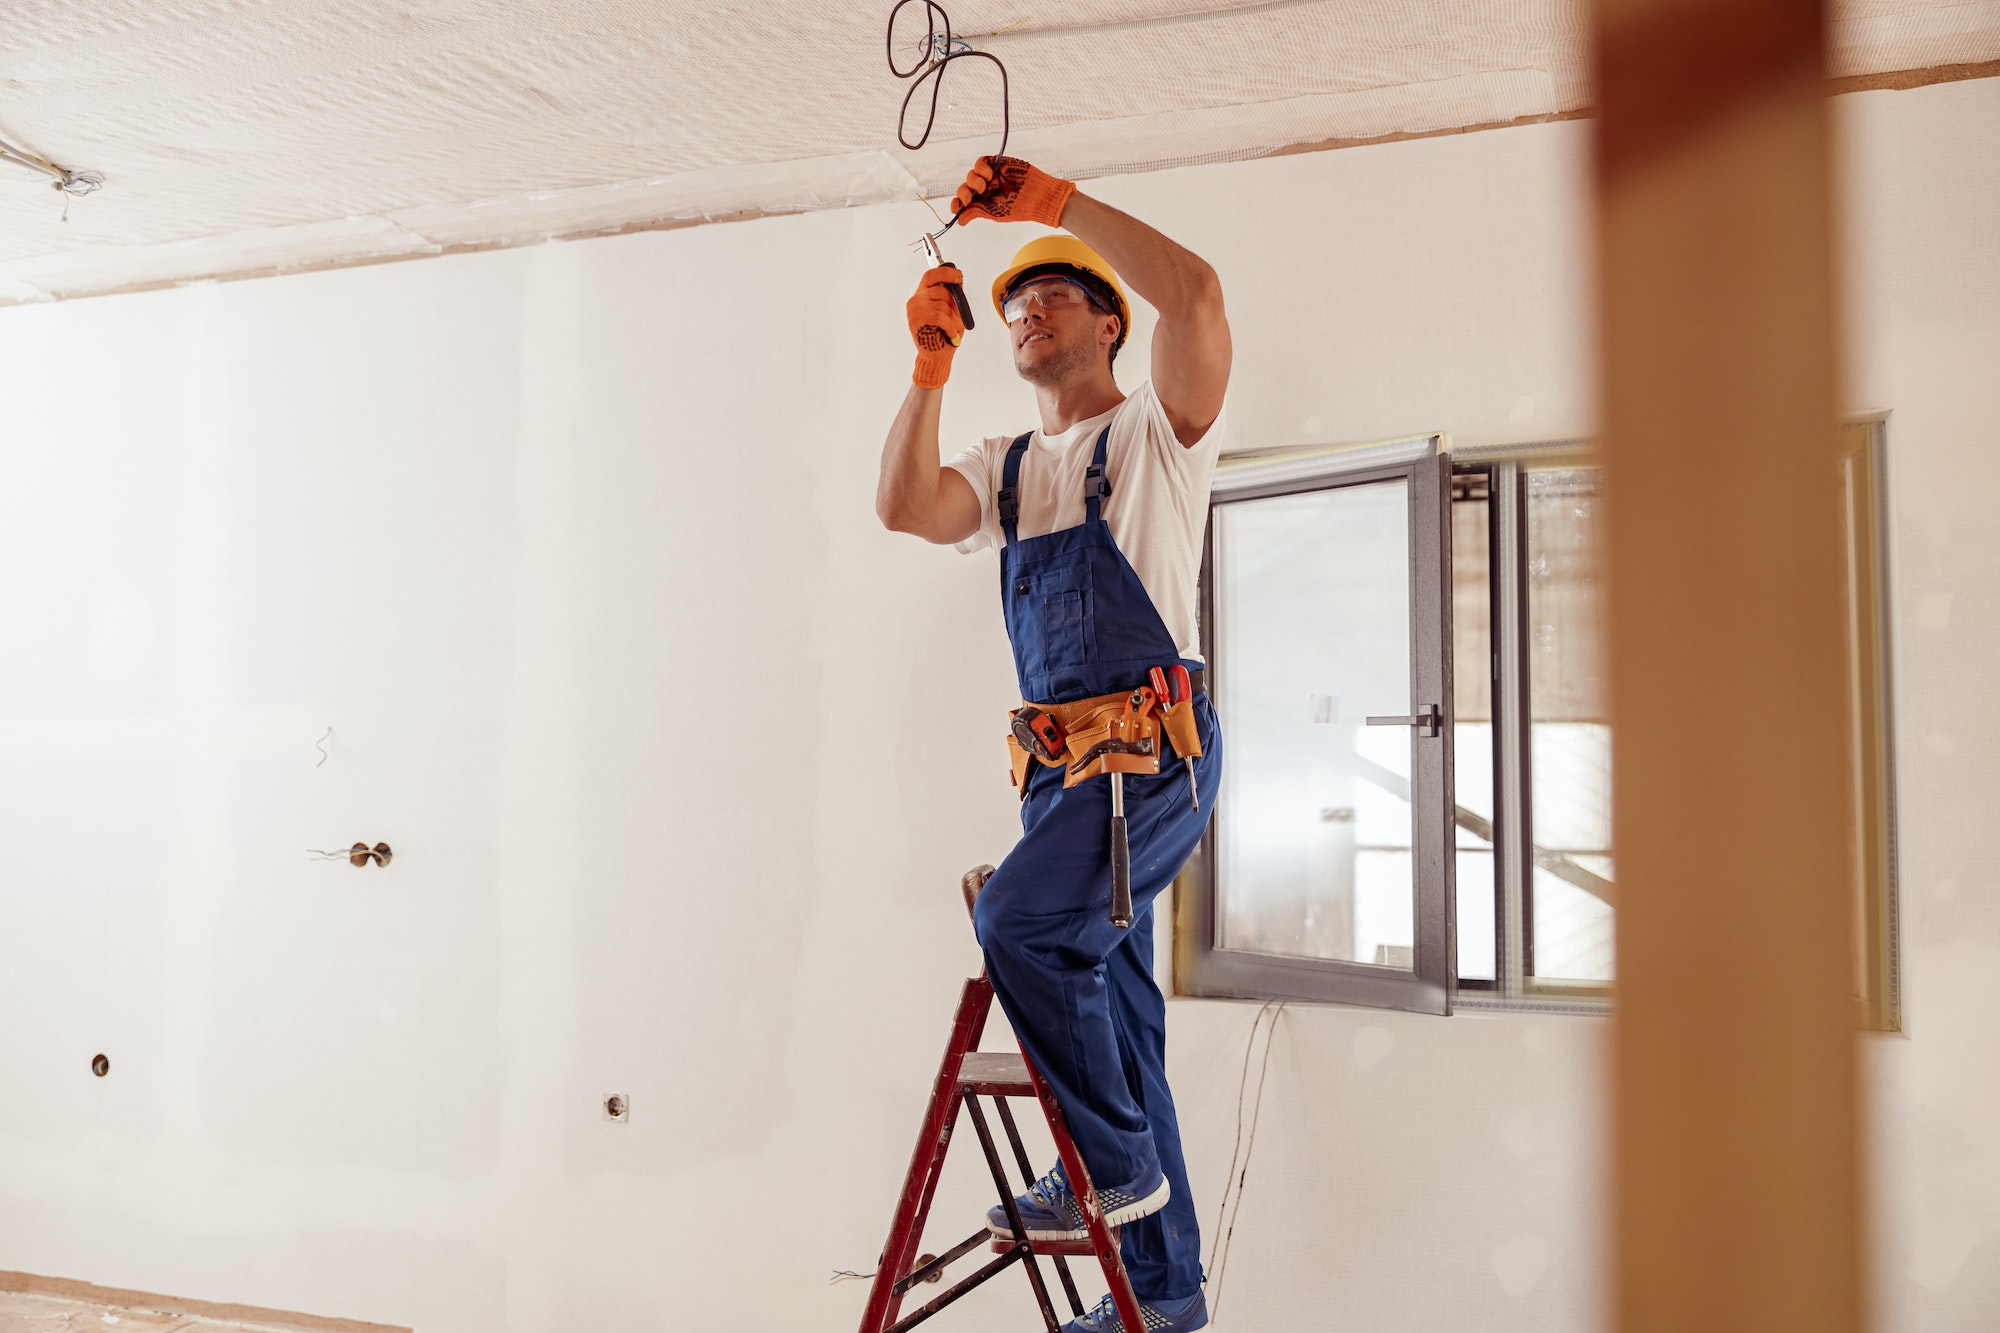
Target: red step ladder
x=967, y=1074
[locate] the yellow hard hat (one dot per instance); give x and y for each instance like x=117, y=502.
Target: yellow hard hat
x=1067, y=252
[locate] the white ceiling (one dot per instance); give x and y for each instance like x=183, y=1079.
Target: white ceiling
x=240, y=135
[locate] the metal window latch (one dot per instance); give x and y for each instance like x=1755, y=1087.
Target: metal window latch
x=1431, y=720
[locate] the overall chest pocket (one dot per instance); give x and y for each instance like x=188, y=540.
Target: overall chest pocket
x=1049, y=612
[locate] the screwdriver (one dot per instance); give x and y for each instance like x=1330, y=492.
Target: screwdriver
x=1183, y=691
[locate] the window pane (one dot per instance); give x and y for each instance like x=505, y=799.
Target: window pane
x=1313, y=635
x=1569, y=930
x=1472, y=732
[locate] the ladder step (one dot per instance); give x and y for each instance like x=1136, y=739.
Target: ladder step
x=996, y=1074
x=966, y=1077
x=1002, y=1244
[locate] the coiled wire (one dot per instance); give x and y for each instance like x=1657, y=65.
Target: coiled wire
x=940, y=48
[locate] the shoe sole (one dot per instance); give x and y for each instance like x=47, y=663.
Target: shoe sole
x=1117, y=1217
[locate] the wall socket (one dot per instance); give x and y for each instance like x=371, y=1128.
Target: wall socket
x=617, y=1106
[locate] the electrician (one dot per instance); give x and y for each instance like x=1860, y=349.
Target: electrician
x=1099, y=517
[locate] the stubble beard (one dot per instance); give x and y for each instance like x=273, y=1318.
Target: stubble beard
x=1068, y=362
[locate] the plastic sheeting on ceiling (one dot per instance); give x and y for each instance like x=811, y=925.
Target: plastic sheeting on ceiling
x=241, y=135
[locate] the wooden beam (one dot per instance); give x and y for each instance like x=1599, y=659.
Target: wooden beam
x=1737, y=1195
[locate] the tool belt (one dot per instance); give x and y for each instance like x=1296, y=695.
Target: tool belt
x=1103, y=736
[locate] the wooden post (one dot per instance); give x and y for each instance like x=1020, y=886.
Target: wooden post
x=1737, y=1180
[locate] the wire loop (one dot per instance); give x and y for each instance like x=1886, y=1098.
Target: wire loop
x=939, y=49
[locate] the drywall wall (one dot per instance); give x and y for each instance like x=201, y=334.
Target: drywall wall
x=1922, y=184
x=510, y=522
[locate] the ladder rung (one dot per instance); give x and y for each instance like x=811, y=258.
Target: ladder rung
x=974, y=1076
x=1002, y=1244
x=996, y=1074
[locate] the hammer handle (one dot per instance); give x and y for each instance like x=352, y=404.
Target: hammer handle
x=1121, y=874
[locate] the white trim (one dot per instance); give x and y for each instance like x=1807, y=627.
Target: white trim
x=1244, y=472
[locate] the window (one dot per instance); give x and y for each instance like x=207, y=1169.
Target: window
x=1406, y=651
x=1546, y=738
x=1327, y=592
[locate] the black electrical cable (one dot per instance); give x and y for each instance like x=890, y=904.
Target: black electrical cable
x=931, y=68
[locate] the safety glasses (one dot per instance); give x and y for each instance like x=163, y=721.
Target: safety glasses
x=1047, y=294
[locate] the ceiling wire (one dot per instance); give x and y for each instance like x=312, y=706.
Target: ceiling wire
x=937, y=50
x=72, y=184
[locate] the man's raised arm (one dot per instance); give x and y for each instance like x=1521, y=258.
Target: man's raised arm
x=916, y=494
x=1191, y=350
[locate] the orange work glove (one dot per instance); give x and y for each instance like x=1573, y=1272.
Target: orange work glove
x=1007, y=189
x=935, y=326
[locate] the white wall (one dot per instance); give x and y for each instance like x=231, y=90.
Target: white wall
x=681, y=756
x=1923, y=221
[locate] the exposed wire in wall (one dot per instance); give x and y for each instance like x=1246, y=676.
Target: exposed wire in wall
x=320, y=745
x=72, y=184
x=360, y=854
x=1218, y=1254
x=936, y=51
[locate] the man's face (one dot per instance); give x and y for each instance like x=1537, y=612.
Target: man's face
x=1061, y=337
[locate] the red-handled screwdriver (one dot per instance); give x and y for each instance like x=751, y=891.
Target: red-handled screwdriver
x=1183, y=691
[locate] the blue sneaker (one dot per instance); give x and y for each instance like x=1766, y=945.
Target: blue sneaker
x=1049, y=1209
x=1160, y=1316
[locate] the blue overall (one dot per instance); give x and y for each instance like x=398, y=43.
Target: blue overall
x=1079, y=990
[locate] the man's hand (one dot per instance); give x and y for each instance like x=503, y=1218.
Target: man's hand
x=1007, y=189
x=935, y=326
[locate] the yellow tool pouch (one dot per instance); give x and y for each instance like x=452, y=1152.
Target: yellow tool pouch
x=1183, y=731
x=1099, y=732
x=1018, y=761
x=1120, y=743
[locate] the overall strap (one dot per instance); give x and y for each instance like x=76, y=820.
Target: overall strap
x=1010, y=476
x=1096, y=486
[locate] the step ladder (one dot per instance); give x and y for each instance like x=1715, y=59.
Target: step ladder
x=965, y=1075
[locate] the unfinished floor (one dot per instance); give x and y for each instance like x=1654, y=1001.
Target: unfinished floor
x=24, y=1312
x=40, y=1312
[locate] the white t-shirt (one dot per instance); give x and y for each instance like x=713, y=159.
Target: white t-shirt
x=1158, y=508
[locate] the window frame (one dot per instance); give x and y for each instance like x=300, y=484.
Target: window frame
x=1865, y=441
x=1202, y=969
x=1515, y=985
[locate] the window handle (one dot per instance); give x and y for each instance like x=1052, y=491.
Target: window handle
x=1431, y=720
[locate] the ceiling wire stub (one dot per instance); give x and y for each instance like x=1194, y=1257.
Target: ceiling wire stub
x=943, y=46
x=71, y=184
x=79, y=183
